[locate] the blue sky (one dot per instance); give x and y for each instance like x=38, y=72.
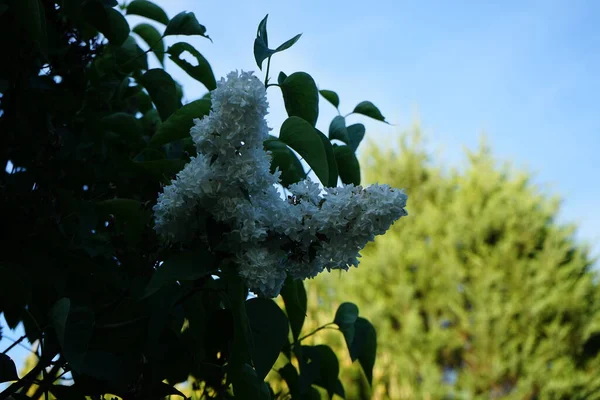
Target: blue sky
x=527, y=73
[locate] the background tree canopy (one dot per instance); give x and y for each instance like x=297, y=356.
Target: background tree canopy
x=482, y=295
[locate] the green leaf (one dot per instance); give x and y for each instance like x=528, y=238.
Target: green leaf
x=345, y=318
x=162, y=90
x=147, y=9
x=331, y=97
x=301, y=96
x=322, y=370
x=201, y=72
x=151, y=122
x=288, y=43
x=356, y=133
x=347, y=163
x=367, y=108
x=126, y=126
x=32, y=17
x=333, y=169
x=261, y=43
x=130, y=56
x=290, y=376
x=247, y=385
x=284, y=159
x=302, y=137
x=111, y=23
x=130, y=217
x=153, y=39
x=178, y=125
x=294, y=298
x=73, y=326
x=185, y=266
x=364, y=346
x=8, y=369
x=185, y=23
x=281, y=77
x=269, y=329
x=337, y=129
x=162, y=170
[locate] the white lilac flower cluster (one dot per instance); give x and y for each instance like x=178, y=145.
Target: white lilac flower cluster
x=313, y=230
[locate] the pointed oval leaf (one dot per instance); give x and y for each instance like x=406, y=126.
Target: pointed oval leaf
x=261, y=43
x=269, y=330
x=364, y=346
x=337, y=129
x=178, y=125
x=130, y=56
x=185, y=23
x=32, y=17
x=111, y=23
x=145, y=8
x=281, y=77
x=333, y=170
x=304, y=139
x=8, y=369
x=153, y=39
x=294, y=298
x=331, y=97
x=347, y=163
x=185, y=266
x=345, y=318
x=288, y=43
x=162, y=90
x=201, y=72
x=356, y=133
x=78, y=333
x=301, y=96
x=320, y=366
x=284, y=159
x=367, y=108
x=126, y=126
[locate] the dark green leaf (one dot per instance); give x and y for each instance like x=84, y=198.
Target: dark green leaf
x=151, y=122
x=162, y=170
x=178, y=125
x=287, y=44
x=32, y=17
x=322, y=370
x=367, y=108
x=247, y=385
x=284, y=159
x=111, y=23
x=130, y=56
x=356, y=133
x=149, y=10
x=201, y=72
x=331, y=97
x=153, y=39
x=261, y=43
x=126, y=126
x=347, y=163
x=290, y=376
x=62, y=392
x=129, y=215
x=186, y=266
x=73, y=326
x=281, y=77
x=364, y=346
x=301, y=96
x=333, y=170
x=304, y=139
x=337, y=129
x=269, y=329
x=294, y=298
x=345, y=318
x=162, y=90
x=185, y=23
x=107, y=367
x=8, y=369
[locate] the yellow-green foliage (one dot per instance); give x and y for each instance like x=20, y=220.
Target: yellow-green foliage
x=479, y=281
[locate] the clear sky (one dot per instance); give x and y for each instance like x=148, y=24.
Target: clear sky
x=527, y=73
